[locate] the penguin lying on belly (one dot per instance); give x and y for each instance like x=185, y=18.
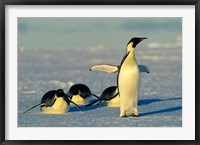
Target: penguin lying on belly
x=54, y=102
x=80, y=94
x=110, y=96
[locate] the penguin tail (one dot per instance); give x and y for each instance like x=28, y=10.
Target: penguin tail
x=105, y=67
x=33, y=107
x=93, y=102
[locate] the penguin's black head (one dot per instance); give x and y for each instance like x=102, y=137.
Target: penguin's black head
x=60, y=93
x=135, y=41
x=74, y=91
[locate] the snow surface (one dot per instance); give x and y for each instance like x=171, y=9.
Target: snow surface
x=42, y=70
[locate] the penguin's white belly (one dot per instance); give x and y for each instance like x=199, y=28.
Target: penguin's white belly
x=80, y=101
x=60, y=106
x=115, y=102
x=128, y=84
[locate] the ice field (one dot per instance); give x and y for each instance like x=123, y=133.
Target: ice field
x=42, y=70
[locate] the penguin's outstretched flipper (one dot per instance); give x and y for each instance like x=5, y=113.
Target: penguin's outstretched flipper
x=95, y=95
x=93, y=102
x=67, y=99
x=144, y=68
x=105, y=67
x=87, y=94
x=113, y=68
x=34, y=107
x=76, y=106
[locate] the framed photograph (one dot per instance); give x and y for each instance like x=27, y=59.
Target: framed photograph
x=107, y=72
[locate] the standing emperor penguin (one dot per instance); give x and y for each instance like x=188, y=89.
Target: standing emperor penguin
x=128, y=80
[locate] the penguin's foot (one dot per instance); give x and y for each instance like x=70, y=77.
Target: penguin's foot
x=135, y=115
x=124, y=116
x=123, y=113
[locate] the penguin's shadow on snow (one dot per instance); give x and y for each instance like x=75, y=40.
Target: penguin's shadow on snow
x=141, y=102
x=162, y=111
x=85, y=108
x=149, y=101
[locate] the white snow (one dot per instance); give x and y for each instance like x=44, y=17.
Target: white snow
x=160, y=92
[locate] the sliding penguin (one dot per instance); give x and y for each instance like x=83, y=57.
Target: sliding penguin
x=54, y=102
x=109, y=94
x=80, y=94
x=128, y=79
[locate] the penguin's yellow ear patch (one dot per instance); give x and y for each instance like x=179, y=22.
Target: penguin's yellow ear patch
x=130, y=46
x=131, y=43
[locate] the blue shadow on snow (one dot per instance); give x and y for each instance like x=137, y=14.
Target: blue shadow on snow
x=162, y=111
x=149, y=101
x=84, y=108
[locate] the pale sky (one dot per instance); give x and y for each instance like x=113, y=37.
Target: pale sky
x=65, y=33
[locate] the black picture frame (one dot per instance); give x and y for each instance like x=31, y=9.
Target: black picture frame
x=4, y=3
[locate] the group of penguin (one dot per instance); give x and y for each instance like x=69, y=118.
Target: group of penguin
x=124, y=95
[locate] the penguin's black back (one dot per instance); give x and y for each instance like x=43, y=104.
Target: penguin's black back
x=109, y=93
x=79, y=89
x=49, y=98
